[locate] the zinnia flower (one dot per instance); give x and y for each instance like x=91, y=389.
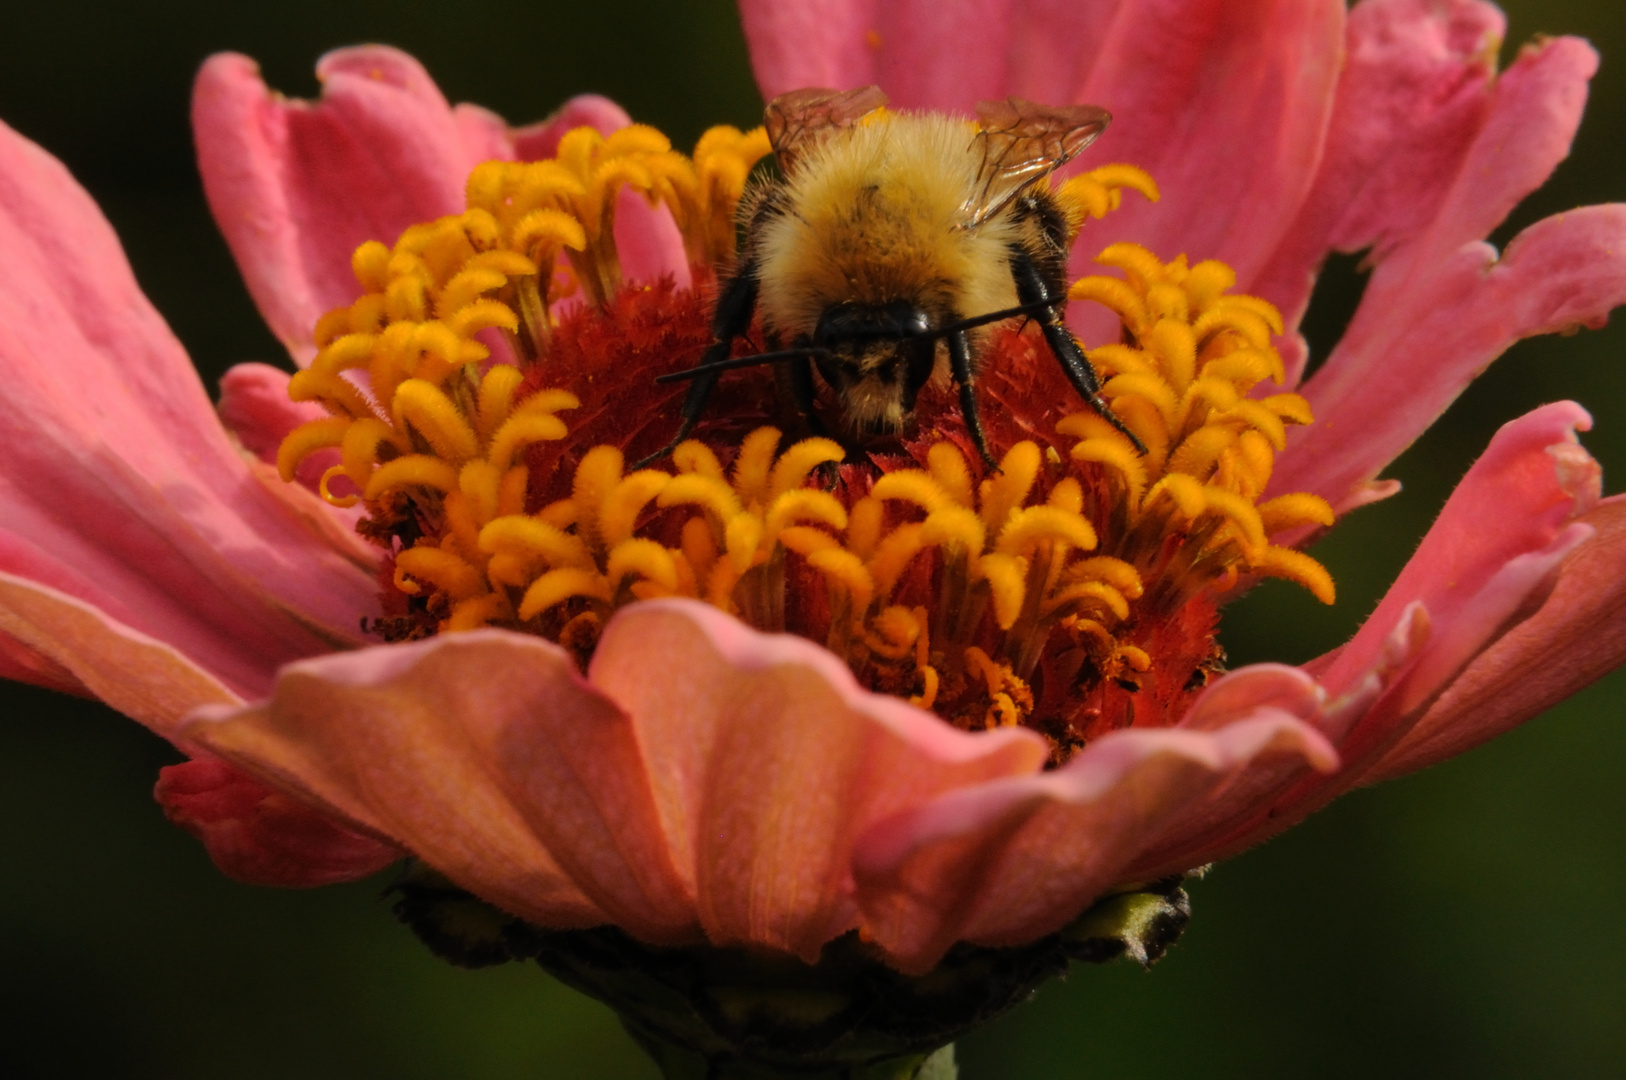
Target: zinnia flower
x=1000, y=698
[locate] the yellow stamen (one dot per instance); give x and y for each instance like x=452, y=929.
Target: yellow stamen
x=1192, y=356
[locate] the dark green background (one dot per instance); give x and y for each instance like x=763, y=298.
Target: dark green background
x=1461, y=922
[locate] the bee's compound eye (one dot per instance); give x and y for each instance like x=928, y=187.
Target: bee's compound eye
x=906, y=319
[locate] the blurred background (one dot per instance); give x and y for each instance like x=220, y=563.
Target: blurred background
x=1464, y=921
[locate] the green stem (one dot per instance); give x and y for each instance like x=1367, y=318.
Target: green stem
x=678, y=1063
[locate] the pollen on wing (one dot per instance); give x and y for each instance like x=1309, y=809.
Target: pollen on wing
x=483, y=424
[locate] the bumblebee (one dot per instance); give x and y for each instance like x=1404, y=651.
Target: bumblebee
x=889, y=249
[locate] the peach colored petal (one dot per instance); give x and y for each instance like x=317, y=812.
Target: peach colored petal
x=259, y=836
x=1440, y=305
x=297, y=186
x=119, y=485
x=19, y=663
x=768, y=761
x=1194, y=832
x=146, y=680
x=1577, y=636
x=486, y=755
x=1004, y=862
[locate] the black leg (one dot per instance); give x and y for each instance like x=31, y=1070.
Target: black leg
x=959, y=345
x=735, y=305
x=802, y=394
x=1031, y=288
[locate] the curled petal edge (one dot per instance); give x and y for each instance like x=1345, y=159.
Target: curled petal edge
x=1577, y=636
x=1005, y=861
x=259, y=836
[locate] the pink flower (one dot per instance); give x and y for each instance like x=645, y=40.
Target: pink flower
x=700, y=778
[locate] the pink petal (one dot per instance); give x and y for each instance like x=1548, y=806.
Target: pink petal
x=260, y=837
x=1440, y=306
x=1227, y=106
x=540, y=140
x=1489, y=561
x=1417, y=83
x=647, y=239
x=252, y=833
x=1197, y=831
x=297, y=187
x=768, y=761
x=1004, y=862
x=146, y=680
x=648, y=242
x=1250, y=689
x=485, y=754
x=254, y=406
x=1578, y=636
x=1529, y=484
x=119, y=485
x=814, y=43
x=1564, y=272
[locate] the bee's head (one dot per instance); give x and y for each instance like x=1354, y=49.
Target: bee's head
x=879, y=355
x=853, y=326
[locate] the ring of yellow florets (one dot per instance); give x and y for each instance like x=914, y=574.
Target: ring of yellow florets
x=931, y=584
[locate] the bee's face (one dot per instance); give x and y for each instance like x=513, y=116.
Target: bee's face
x=877, y=360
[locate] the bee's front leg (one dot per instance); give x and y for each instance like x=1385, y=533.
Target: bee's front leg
x=735, y=305
x=1031, y=288
x=959, y=346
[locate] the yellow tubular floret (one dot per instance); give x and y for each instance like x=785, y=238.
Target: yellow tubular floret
x=308, y=438
x=1183, y=379
x=557, y=586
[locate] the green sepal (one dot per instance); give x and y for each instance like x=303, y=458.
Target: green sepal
x=1140, y=922
x=678, y=1063
x=456, y=925
x=713, y=1013
x=848, y=1015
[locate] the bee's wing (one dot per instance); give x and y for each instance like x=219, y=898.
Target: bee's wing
x=802, y=119
x=1021, y=141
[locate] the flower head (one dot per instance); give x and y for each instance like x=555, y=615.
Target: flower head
x=1000, y=694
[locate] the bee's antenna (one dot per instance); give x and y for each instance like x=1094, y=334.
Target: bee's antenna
x=739, y=362
x=1034, y=308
